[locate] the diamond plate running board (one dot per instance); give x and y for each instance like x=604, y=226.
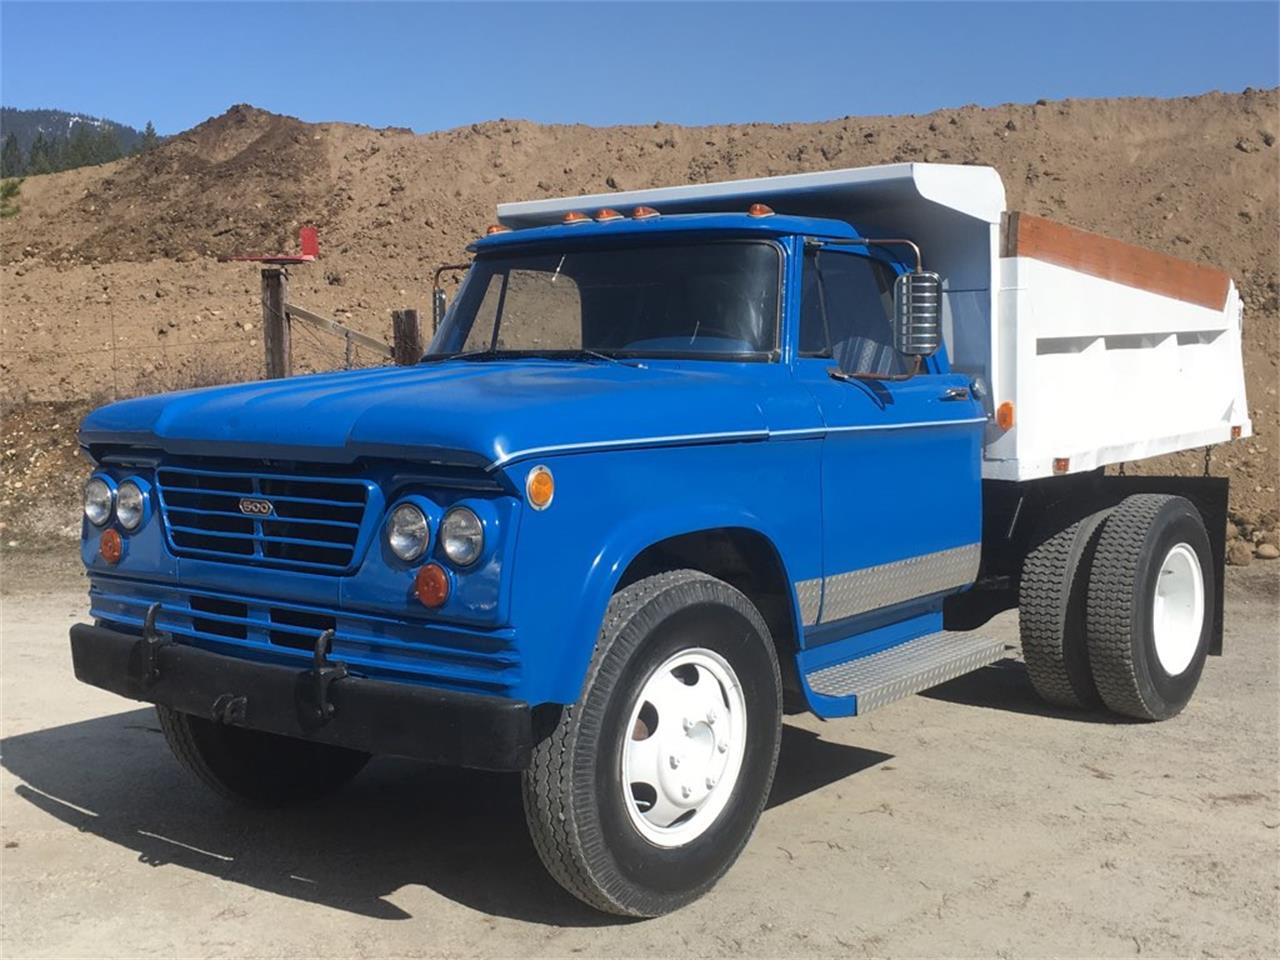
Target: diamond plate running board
x=906, y=669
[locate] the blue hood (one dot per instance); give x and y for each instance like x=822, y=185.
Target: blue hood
x=482, y=413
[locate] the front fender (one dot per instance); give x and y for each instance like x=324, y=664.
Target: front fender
x=570, y=557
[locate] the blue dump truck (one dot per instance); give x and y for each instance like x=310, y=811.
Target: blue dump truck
x=678, y=462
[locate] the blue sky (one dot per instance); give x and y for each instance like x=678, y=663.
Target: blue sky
x=433, y=66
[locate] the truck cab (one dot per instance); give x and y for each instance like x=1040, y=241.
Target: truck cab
x=674, y=463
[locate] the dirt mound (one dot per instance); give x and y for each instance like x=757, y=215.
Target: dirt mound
x=111, y=283
x=238, y=182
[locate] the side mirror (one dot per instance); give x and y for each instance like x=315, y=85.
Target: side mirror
x=438, y=304
x=917, y=314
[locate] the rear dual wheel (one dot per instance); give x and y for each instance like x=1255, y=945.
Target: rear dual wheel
x=1118, y=608
x=649, y=787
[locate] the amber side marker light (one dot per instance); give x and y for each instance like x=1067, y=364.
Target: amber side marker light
x=575, y=216
x=1005, y=418
x=759, y=210
x=607, y=215
x=111, y=546
x=1235, y=433
x=644, y=213
x=496, y=228
x=540, y=487
x=1061, y=464
x=431, y=585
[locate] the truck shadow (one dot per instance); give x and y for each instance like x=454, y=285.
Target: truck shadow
x=459, y=833
x=1004, y=685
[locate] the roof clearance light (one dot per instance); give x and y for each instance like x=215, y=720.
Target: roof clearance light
x=576, y=216
x=1061, y=464
x=607, y=215
x=1005, y=415
x=496, y=228
x=644, y=213
x=759, y=210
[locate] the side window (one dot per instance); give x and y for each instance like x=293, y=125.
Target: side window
x=846, y=311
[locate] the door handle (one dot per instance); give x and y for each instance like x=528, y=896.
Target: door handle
x=955, y=393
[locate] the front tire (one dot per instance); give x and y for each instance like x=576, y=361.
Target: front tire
x=256, y=768
x=1150, y=608
x=649, y=787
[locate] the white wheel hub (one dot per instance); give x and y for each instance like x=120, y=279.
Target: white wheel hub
x=686, y=739
x=1177, y=614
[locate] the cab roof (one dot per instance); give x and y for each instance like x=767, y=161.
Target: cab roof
x=740, y=224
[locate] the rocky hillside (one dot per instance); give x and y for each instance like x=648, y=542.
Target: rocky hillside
x=111, y=282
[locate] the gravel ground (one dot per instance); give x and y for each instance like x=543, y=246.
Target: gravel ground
x=968, y=821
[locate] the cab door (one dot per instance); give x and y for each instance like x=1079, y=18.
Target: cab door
x=901, y=458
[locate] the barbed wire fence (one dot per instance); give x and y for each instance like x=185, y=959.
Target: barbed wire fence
x=133, y=366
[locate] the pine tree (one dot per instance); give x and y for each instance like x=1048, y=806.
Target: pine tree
x=81, y=149
x=38, y=159
x=11, y=163
x=107, y=146
x=9, y=197
x=150, y=139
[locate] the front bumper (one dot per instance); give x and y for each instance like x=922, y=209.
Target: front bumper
x=377, y=716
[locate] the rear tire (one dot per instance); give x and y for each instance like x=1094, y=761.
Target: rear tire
x=607, y=824
x=256, y=768
x=1051, y=613
x=1150, y=608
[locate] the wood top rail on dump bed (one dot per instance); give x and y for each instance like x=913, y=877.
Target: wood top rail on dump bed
x=1026, y=235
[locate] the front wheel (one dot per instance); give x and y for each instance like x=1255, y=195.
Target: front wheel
x=649, y=787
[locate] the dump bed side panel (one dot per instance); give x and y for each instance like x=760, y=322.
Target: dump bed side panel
x=1119, y=353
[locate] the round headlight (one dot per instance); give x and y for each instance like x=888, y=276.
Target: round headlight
x=130, y=506
x=462, y=535
x=97, y=501
x=407, y=532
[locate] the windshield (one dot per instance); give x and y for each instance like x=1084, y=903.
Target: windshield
x=708, y=299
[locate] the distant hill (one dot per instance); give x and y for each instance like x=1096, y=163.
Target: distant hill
x=62, y=140
x=25, y=124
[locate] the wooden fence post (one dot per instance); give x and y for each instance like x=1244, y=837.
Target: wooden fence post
x=406, y=333
x=275, y=323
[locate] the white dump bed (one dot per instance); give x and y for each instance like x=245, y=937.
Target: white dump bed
x=1107, y=352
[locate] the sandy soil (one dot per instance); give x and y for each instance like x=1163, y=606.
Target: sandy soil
x=970, y=821
x=110, y=284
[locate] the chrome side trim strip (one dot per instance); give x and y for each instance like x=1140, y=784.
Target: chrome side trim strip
x=860, y=428
x=800, y=433
x=859, y=591
x=809, y=594
x=671, y=440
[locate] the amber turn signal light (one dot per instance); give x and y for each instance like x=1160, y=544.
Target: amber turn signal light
x=496, y=228
x=431, y=585
x=111, y=546
x=540, y=487
x=1005, y=415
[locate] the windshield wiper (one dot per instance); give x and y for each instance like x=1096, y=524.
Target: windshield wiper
x=490, y=354
x=585, y=354
x=485, y=354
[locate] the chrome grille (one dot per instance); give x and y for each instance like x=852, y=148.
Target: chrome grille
x=313, y=523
